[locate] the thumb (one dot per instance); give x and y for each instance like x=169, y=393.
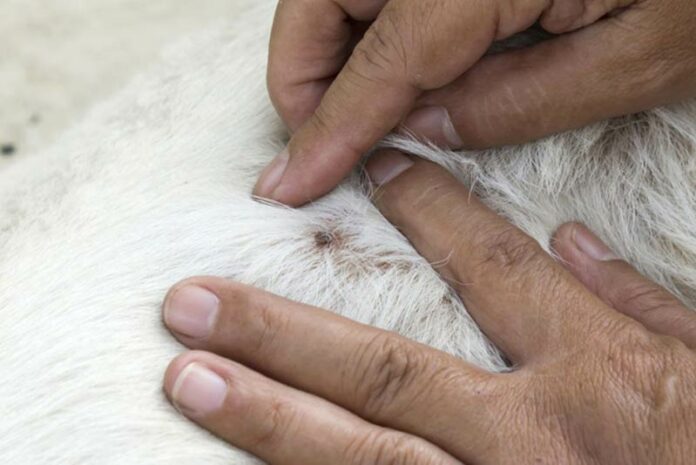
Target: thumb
x=620, y=286
x=399, y=57
x=620, y=65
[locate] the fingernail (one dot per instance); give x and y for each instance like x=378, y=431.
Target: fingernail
x=385, y=166
x=434, y=123
x=199, y=390
x=591, y=245
x=271, y=176
x=191, y=311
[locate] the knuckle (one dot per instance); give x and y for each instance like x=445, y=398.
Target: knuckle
x=661, y=57
x=323, y=124
x=253, y=313
x=324, y=114
x=507, y=251
x=653, y=73
x=272, y=324
x=639, y=360
x=647, y=362
x=642, y=297
x=388, y=369
x=279, y=418
x=383, y=447
x=401, y=44
x=561, y=16
x=381, y=53
x=658, y=379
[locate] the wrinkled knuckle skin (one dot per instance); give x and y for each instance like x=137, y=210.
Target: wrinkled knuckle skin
x=270, y=324
x=321, y=120
x=658, y=393
x=642, y=297
x=278, y=420
x=381, y=53
x=639, y=363
x=388, y=369
x=640, y=393
x=507, y=251
x=661, y=59
x=637, y=293
x=383, y=448
x=246, y=313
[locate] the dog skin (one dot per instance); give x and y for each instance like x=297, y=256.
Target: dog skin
x=153, y=186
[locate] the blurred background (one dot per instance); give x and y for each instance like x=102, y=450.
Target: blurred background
x=59, y=57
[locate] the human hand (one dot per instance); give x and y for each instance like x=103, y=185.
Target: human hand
x=420, y=66
x=604, y=368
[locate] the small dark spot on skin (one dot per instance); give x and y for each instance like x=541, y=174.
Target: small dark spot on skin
x=323, y=239
x=7, y=149
x=35, y=118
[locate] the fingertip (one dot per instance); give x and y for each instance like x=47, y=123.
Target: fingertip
x=591, y=245
x=575, y=242
x=311, y=167
x=619, y=285
x=571, y=257
x=271, y=176
x=588, y=259
x=210, y=283
x=175, y=367
x=563, y=243
x=196, y=383
x=191, y=312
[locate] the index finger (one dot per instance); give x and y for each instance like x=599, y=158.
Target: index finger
x=528, y=304
x=378, y=375
x=310, y=43
x=411, y=47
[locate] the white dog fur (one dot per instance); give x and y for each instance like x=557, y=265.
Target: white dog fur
x=153, y=186
x=61, y=56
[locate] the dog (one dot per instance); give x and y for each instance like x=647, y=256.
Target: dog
x=153, y=186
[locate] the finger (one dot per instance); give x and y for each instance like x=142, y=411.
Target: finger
x=411, y=47
x=525, y=302
x=310, y=43
x=380, y=376
x=281, y=425
x=605, y=70
x=621, y=286
x=567, y=15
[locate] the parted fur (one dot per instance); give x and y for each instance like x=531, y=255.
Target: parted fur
x=153, y=186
